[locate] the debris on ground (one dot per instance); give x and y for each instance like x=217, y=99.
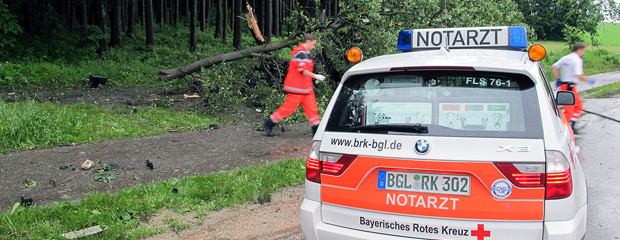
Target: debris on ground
x=126, y=215
x=26, y=201
x=29, y=183
x=104, y=175
x=191, y=96
x=95, y=81
x=65, y=166
x=115, y=166
x=149, y=164
x=84, y=232
x=87, y=164
x=214, y=126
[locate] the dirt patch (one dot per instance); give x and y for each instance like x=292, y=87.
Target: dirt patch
x=118, y=96
x=272, y=220
x=50, y=175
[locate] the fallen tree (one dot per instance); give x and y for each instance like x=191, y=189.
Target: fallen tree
x=173, y=73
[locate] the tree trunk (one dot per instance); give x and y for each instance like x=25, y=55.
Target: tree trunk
x=276, y=18
x=334, y=8
x=70, y=18
x=30, y=17
x=101, y=23
x=208, y=10
x=237, y=25
x=84, y=17
x=218, y=18
x=224, y=19
x=115, y=24
x=141, y=13
x=193, y=42
x=176, y=12
x=131, y=21
x=268, y=19
x=148, y=19
x=173, y=73
x=186, y=8
x=203, y=22
x=161, y=13
x=261, y=5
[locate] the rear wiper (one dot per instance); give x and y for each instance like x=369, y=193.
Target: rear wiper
x=412, y=128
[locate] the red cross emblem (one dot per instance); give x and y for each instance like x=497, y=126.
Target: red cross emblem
x=480, y=233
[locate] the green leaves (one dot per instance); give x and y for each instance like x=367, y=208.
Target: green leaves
x=8, y=21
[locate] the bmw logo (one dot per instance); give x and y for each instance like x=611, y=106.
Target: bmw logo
x=422, y=146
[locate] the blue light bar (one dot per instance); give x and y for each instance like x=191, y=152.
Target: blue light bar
x=518, y=36
x=404, y=40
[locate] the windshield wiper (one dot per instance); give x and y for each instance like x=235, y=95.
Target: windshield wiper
x=412, y=128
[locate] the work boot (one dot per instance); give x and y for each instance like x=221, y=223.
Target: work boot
x=572, y=125
x=268, y=126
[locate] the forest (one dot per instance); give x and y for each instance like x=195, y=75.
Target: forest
x=56, y=43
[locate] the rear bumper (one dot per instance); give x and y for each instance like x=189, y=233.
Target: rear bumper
x=574, y=229
x=314, y=228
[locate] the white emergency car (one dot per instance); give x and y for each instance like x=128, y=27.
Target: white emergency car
x=459, y=137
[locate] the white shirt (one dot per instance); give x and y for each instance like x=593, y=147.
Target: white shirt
x=571, y=66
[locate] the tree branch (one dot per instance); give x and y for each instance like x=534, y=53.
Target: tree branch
x=173, y=73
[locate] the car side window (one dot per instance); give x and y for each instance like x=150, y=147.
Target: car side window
x=543, y=76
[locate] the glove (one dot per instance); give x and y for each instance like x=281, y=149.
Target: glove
x=592, y=81
x=558, y=83
x=319, y=77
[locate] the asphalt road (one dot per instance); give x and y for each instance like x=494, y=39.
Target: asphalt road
x=600, y=158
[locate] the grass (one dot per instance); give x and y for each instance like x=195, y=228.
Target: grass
x=196, y=193
x=29, y=125
x=609, y=34
x=607, y=91
x=600, y=59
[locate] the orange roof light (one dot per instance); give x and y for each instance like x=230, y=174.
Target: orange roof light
x=537, y=52
x=355, y=55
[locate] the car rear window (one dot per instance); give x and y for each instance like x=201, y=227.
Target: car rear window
x=449, y=103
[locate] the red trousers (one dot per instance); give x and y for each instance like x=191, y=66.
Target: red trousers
x=572, y=113
x=292, y=102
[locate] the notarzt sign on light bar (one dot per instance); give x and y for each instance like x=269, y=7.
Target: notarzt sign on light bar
x=461, y=37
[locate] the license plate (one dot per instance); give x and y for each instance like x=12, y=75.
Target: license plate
x=424, y=182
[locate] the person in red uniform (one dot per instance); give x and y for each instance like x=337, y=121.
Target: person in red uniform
x=572, y=72
x=298, y=86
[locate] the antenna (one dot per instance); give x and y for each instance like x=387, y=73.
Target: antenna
x=445, y=12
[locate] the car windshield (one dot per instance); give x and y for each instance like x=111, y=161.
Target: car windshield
x=438, y=103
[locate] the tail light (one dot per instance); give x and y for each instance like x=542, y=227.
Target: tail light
x=555, y=176
x=325, y=163
x=559, y=178
x=524, y=174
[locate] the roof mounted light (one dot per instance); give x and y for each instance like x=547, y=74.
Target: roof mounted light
x=512, y=37
x=537, y=52
x=404, y=40
x=355, y=55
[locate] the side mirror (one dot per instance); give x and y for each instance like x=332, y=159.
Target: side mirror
x=565, y=98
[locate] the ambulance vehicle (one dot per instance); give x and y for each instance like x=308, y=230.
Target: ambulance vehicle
x=458, y=137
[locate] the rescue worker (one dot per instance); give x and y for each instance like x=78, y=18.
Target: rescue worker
x=572, y=73
x=298, y=86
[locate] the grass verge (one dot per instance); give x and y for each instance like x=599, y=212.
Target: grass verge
x=29, y=125
x=607, y=91
x=195, y=193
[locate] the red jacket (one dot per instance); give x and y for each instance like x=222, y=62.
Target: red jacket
x=295, y=82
